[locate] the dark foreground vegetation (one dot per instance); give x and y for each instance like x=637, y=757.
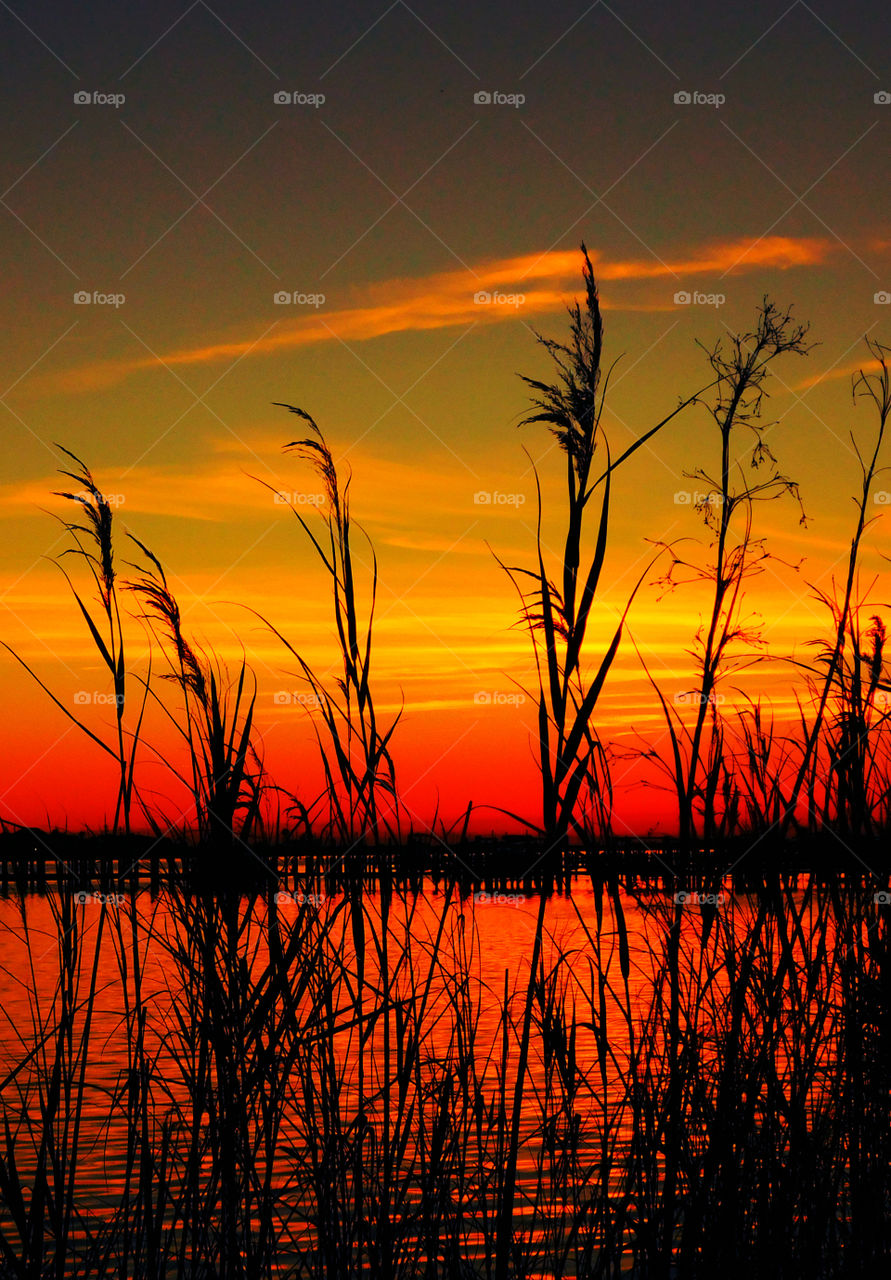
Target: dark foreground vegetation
x=222, y=1085
x=289, y=1051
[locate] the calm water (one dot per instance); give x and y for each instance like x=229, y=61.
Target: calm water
x=487, y=940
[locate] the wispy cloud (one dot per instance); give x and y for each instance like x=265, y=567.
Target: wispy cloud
x=449, y=298
x=851, y=369
x=218, y=489
x=205, y=494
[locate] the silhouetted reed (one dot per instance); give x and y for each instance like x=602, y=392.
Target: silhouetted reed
x=572, y=761
x=94, y=546
x=842, y=768
x=699, y=764
x=360, y=795
x=225, y=773
x=260, y=1126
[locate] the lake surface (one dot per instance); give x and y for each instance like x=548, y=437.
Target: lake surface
x=401, y=1039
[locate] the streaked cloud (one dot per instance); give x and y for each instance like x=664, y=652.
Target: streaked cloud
x=545, y=281
x=867, y=363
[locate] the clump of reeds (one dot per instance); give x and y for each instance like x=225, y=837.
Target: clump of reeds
x=699, y=764
x=360, y=794
x=556, y=605
x=225, y=777
x=262, y=1121
x=44, y=1090
x=842, y=754
x=94, y=547
x=224, y=774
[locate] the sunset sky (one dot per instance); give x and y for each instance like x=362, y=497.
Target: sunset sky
x=717, y=156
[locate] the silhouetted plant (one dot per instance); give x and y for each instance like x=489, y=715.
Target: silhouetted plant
x=699, y=767
x=94, y=545
x=572, y=761
x=556, y=605
x=242, y=1143
x=848, y=677
x=360, y=775
x=226, y=773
